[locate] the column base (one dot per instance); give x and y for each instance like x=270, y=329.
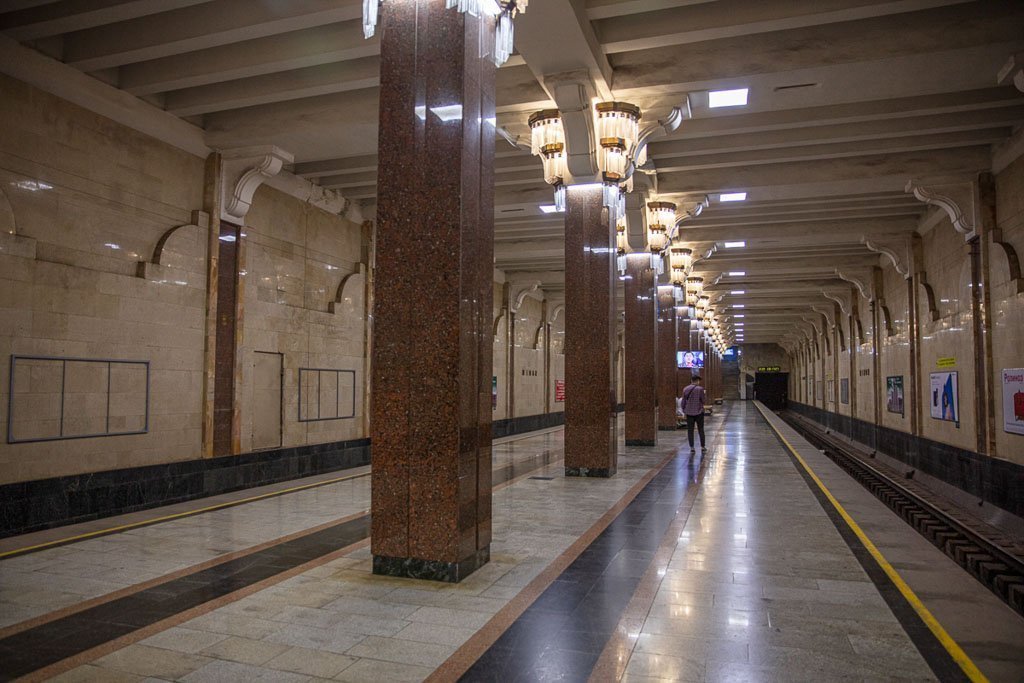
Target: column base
x=641, y=442
x=602, y=472
x=431, y=570
x=667, y=429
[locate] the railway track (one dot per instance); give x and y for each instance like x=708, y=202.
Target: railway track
x=991, y=557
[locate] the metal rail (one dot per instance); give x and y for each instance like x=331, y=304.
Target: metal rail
x=998, y=567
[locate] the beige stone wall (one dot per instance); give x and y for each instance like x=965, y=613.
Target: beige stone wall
x=1007, y=305
x=894, y=350
x=529, y=363
x=949, y=271
x=843, y=344
x=296, y=259
x=83, y=201
x=500, y=359
x=557, y=370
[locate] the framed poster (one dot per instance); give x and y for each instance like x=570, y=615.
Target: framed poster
x=494, y=392
x=945, y=397
x=844, y=390
x=559, y=391
x=1013, y=400
x=831, y=391
x=894, y=394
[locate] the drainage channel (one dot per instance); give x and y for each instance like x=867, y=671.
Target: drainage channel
x=998, y=563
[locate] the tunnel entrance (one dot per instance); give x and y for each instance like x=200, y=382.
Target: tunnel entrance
x=770, y=388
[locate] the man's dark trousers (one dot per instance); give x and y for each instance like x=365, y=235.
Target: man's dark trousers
x=699, y=421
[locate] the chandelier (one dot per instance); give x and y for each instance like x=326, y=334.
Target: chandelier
x=617, y=130
x=621, y=245
x=679, y=259
x=504, y=10
x=694, y=288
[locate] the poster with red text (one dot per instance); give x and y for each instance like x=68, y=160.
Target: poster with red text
x=559, y=390
x=1013, y=400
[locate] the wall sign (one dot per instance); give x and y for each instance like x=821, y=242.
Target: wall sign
x=946, y=362
x=559, y=391
x=769, y=368
x=894, y=394
x=1013, y=400
x=844, y=390
x=494, y=392
x=945, y=397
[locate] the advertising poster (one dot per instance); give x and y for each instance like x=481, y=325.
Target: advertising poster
x=559, y=391
x=494, y=392
x=844, y=390
x=1013, y=400
x=894, y=394
x=945, y=397
x=831, y=391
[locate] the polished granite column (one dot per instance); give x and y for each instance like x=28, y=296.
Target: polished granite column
x=431, y=358
x=641, y=351
x=686, y=340
x=667, y=326
x=591, y=449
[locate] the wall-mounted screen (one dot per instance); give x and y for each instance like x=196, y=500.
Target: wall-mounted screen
x=690, y=359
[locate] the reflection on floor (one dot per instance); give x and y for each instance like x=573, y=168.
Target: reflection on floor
x=677, y=568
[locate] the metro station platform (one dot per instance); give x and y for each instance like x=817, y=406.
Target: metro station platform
x=760, y=560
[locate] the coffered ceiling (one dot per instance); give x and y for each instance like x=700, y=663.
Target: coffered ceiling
x=848, y=100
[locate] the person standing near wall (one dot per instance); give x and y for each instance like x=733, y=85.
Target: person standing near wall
x=693, y=408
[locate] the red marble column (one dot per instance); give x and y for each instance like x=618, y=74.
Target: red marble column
x=667, y=346
x=591, y=448
x=686, y=341
x=641, y=351
x=431, y=412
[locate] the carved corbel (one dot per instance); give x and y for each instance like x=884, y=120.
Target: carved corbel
x=553, y=312
x=960, y=200
x=350, y=284
x=842, y=299
x=243, y=170
x=1013, y=72
x=896, y=249
x=1012, y=261
x=520, y=292
x=861, y=279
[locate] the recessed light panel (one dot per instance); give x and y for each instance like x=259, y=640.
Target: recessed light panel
x=735, y=245
x=737, y=273
x=732, y=197
x=727, y=98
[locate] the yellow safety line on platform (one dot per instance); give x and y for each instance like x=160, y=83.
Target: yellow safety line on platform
x=955, y=651
x=177, y=515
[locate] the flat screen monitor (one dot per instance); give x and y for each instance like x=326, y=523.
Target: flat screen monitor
x=690, y=359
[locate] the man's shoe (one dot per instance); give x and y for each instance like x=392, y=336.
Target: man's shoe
x=692, y=449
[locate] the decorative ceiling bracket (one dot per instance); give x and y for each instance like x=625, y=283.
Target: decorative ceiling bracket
x=896, y=249
x=520, y=292
x=243, y=170
x=828, y=312
x=861, y=279
x=960, y=200
x=1013, y=72
x=841, y=298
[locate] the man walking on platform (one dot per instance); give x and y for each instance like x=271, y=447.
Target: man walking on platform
x=693, y=408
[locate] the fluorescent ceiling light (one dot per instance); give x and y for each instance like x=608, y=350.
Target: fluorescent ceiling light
x=735, y=245
x=739, y=305
x=739, y=315
x=737, y=273
x=732, y=197
x=738, y=291
x=727, y=98
x=548, y=208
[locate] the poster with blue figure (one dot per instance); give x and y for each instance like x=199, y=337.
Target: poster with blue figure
x=945, y=397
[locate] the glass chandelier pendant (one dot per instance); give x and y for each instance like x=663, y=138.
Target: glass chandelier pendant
x=612, y=159
x=621, y=244
x=681, y=259
x=618, y=121
x=560, y=198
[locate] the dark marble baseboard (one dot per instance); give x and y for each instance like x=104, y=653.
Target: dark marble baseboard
x=431, y=570
x=641, y=442
x=47, y=503
x=526, y=423
x=601, y=472
x=994, y=481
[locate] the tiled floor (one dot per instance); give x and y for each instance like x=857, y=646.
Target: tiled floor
x=677, y=568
